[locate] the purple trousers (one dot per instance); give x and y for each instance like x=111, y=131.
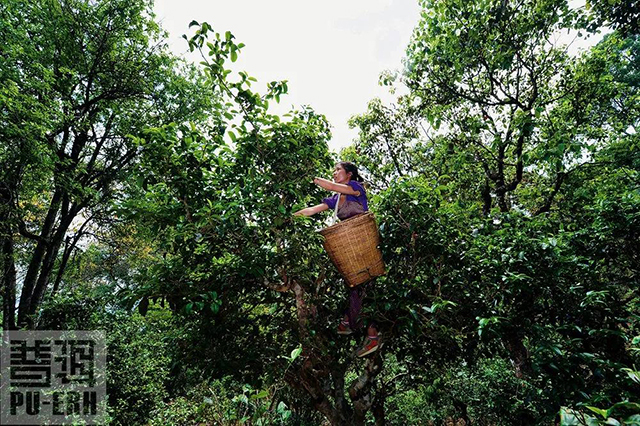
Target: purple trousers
x=356, y=298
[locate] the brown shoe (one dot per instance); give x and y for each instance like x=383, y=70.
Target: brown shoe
x=344, y=328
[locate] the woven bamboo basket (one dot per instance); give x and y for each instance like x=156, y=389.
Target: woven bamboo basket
x=352, y=245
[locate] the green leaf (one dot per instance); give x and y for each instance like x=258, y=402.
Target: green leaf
x=282, y=407
x=625, y=404
x=568, y=418
x=602, y=413
x=295, y=353
x=633, y=375
x=633, y=420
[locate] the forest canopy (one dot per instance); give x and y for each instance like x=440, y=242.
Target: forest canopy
x=154, y=199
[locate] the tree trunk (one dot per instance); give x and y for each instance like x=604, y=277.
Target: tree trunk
x=378, y=407
x=322, y=372
x=36, y=259
x=8, y=285
x=361, y=389
x=69, y=246
x=48, y=263
x=519, y=355
x=486, y=197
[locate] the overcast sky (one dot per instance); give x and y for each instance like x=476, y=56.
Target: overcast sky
x=331, y=52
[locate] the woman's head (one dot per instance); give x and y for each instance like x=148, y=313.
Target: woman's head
x=346, y=171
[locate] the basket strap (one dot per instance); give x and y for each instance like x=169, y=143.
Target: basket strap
x=334, y=218
x=367, y=269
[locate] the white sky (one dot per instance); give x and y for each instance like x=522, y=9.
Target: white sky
x=331, y=52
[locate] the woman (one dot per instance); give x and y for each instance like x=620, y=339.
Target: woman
x=352, y=200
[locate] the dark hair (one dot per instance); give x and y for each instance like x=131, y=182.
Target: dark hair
x=349, y=167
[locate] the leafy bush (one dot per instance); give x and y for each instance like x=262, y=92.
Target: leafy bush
x=487, y=393
x=138, y=356
x=224, y=402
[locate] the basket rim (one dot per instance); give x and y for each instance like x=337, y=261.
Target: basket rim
x=336, y=226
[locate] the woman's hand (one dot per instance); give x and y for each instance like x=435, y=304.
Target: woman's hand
x=335, y=187
x=323, y=183
x=310, y=211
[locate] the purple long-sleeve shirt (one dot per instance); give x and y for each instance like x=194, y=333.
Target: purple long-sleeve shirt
x=360, y=199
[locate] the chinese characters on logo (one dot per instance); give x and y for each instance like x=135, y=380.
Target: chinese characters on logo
x=53, y=377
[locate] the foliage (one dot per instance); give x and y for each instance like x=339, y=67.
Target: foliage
x=507, y=119
x=225, y=402
x=73, y=93
x=234, y=264
x=570, y=417
x=486, y=389
x=139, y=358
x=623, y=15
x=505, y=184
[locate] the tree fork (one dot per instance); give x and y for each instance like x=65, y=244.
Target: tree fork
x=549, y=201
x=323, y=376
x=70, y=245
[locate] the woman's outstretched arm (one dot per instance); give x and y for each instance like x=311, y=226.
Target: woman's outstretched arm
x=336, y=187
x=310, y=211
